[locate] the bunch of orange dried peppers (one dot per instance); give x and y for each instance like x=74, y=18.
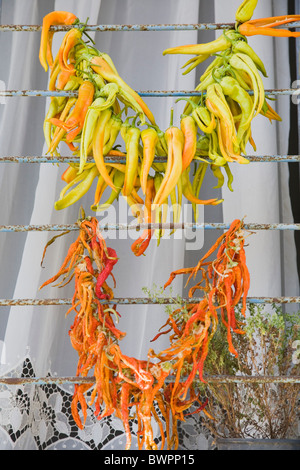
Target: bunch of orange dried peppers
x=132, y=388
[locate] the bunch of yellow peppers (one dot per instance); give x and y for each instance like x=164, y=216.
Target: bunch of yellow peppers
x=214, y=129
x=231, y=95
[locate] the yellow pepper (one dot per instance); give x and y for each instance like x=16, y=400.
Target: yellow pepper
x=175, y=142
x=245, y=11
x=149, y=139
x=78, y=192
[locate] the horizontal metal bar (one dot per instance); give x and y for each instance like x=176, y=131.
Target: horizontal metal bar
x=120, y=159
x=222, y=379
x=140, y=301
x=122, y=27
x=162, y=93
x=131, y=27
x=37, y=93
x=149, y=93
x=138, y=227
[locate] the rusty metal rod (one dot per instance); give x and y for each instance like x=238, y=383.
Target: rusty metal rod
x=149, y=93
x=140, y=301
x=222, y=379
x=120, y=159
x=138, y=227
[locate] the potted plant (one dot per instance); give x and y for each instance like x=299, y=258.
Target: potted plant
x=257, y=415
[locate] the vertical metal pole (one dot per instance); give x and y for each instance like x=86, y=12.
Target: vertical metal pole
x=297, y=167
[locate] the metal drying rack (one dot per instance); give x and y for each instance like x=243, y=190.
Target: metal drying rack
x=200, y=226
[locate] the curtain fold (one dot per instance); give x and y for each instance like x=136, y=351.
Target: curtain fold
x=38, y=336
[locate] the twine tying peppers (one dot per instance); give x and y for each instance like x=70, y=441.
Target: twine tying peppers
x=130, y=388
x=214, y=129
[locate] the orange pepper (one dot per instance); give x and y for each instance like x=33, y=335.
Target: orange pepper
x=53, y=18
x=79, y=397
x=69, y=174
x=63, y=78
x=149, y=139
x=125, y=413
x=59, y=132
x=141, y=244
x=75, y=121
x=69, y=42
x=175, y=142
x=189, y=129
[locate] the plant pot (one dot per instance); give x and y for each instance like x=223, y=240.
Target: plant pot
x=258, y=444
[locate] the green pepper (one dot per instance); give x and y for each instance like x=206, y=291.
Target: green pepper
x=231, y=88
x=158, y=233
x=118, y=182
x=217, y=62
x=242, y=62
x=202, y=145
x=77, y=178
x=194, y=62
x=205, y=120
x=201, y=87
x=72, y=85
x=227, y=137
x=88, y=130
x=113, y=127
x=222, y=43
x=196, y=186
x=187, y=191
x=79, y=191
x=100, y=83
x=216, y=169
x=214, y=152
x=98, y=145
x=243, y=46
x=220, y=108
x=229, y=176
x=109, y=91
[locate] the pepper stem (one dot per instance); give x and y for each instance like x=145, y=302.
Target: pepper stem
x=81, y=215
x=216, y=79
x=171, y=117
x=190, y=101
x=126, y=122
x=160, y=133
x=232, y=41
x=82, y=27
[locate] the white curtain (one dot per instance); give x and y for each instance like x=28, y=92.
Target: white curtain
x=35, y=339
